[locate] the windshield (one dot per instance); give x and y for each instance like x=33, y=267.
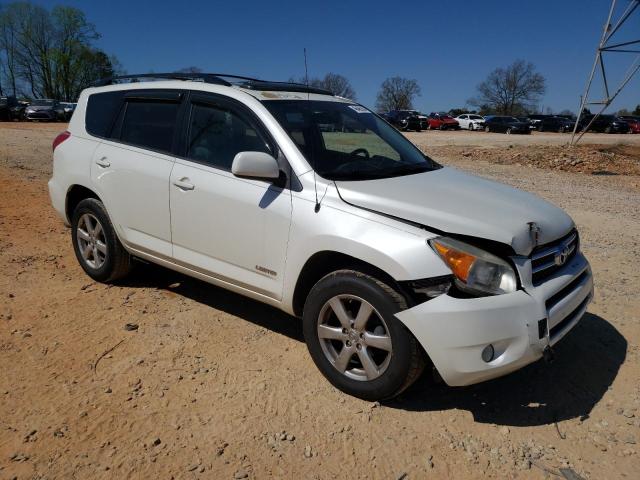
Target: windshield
x=475, y=117
x=343, y=141
x=42, y=103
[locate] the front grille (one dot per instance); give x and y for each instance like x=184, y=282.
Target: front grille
x=555, y=330
x=548, y=259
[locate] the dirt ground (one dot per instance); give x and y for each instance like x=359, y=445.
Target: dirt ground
x=212, y=385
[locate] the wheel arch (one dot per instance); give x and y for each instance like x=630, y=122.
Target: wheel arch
x=75, y=194
x=324, y=262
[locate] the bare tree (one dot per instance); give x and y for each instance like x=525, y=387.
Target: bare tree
x=397, y=93
x=8, y=49
x=511, y=90
x=337, y=84
x=191, y=69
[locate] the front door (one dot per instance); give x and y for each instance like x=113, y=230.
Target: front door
x=231, y=228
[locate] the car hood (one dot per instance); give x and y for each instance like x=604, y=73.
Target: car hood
x=454, y=202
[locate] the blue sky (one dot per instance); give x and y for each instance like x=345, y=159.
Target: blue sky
x=448, y=47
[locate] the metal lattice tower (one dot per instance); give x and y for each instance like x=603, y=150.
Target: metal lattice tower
x=608, y=46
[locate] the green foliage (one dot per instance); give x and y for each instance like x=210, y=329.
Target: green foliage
x=636, y=111
x=49, y=54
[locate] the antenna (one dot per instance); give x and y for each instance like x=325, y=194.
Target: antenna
x=313, y=163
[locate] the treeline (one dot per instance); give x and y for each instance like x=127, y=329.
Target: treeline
x=49, y=53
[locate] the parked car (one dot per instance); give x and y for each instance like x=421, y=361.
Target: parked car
x=404, y=119
x=393, y=262
x=45, y=109
x=11, y=109
x=502, y=124
x=68, y=109
x=536, y=119
x=442, y=121
x=470, y=121
x=527, y=121
x=556, y=124
x=604, y=124
x=633, y=121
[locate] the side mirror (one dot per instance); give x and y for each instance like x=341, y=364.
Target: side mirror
x=255, y=165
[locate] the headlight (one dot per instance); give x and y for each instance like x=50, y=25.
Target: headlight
x=475, y=270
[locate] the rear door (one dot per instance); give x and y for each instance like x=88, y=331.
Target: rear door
x=234, y=229
x=131, y=168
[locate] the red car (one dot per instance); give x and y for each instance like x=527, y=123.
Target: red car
x=442, y=121
x=633, y=121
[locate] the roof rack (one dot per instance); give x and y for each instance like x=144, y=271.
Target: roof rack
x=217, y=79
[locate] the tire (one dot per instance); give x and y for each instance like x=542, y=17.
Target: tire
x=487, y=129
x=341, y=356
x=470, y=127
x=95, y=243
x=607, y=130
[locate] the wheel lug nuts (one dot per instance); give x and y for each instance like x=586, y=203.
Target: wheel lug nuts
x=348, y=343
x=358, y=346
x=344, y=330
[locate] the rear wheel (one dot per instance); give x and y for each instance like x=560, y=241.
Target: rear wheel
x=355, y=339
x=97, y=248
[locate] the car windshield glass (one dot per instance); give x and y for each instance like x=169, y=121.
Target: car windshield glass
x=42, y=103
x=343, y=141
x=475, y=117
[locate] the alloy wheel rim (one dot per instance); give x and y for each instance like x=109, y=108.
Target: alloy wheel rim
x=354, y=337
x=92, y=242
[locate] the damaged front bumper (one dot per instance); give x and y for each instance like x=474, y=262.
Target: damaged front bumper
x=519, y=326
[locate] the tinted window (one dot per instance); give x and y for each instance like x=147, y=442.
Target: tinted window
x=217, y=134
x=102, y=109
x=150, y=124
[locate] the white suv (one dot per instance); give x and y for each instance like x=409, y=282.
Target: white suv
x=313, y=204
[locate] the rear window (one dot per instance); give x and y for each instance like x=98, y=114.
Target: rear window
x=102, y=109
x=150, y=124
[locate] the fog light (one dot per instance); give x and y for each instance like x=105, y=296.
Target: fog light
x=487, y=353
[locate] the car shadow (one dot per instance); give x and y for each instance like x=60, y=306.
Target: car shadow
x=154, y=276
x=586, y=362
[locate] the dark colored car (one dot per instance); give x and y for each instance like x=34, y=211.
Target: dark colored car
x=442, y=121
x=11, y=109
x=535, y=119
x=45, y=109
x=527, y=120
x=604, y=123
x=506, y=125
x=633, y=121
x=556, y=124
x=404, y=119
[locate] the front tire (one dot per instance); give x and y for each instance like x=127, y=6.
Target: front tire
x=95, y=243
x=355, y=339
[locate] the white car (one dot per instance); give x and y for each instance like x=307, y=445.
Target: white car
x=393, y=262
x=471, y=121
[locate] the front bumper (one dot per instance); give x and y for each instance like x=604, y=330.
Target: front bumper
x=519, y=325
x=41, y=115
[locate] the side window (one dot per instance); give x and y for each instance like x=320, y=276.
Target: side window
x=150, y=124
x=102, y=109
x=217, y=134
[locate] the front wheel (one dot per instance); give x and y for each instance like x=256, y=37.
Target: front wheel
x=97, y=248
x=355, y=339
x=487, y=129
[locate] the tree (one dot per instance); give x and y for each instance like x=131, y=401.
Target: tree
x=49, y=53
x=397, y=93
x=623, y=111
x=636, y=111
x=191, y=69
x=337, y=84
x=512, y=90
x=454, y=112
x=567, y=113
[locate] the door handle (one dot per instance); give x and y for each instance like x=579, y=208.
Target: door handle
x=103, y=162
x=183, y=184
